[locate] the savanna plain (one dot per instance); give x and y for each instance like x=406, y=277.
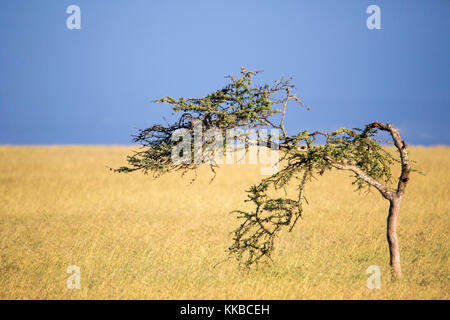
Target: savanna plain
x=134, y=237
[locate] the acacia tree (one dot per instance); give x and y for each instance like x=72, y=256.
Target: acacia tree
x=243, y=105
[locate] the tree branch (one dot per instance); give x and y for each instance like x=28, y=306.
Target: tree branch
x=363, y=176
x=401, y=147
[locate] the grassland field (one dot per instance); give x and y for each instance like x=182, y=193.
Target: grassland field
x=134, y=237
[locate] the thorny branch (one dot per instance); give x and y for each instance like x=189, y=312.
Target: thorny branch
x=241, y=105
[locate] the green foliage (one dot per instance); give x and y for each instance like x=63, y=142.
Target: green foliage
x=302, y=160
x=303, y=157
x=238, y=105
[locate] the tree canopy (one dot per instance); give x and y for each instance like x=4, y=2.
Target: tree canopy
x=244, y=105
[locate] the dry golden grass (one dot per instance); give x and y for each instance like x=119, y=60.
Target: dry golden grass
x=135, y=237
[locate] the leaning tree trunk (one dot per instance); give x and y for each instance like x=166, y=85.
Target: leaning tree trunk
x=394, y=197
x=394, y=251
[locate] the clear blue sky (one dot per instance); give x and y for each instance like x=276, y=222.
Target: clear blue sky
x=95, y=85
